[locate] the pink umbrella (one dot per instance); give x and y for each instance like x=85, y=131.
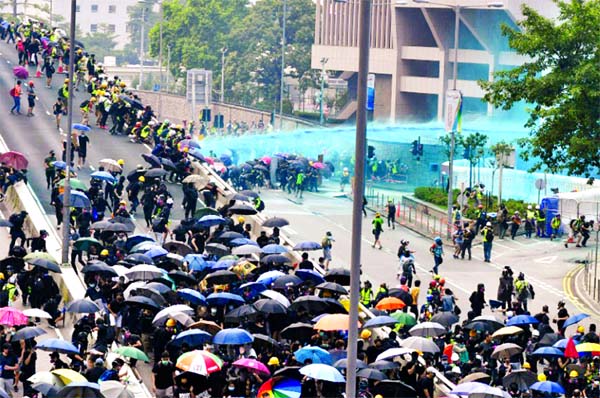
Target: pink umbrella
x=12, y=317
x=14, y=159
x=20, y=72
x=252, y=365
x=209, y=160
x=318, y=165
x=266, y=160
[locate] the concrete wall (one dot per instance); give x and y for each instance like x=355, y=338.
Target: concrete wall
x=176, y=109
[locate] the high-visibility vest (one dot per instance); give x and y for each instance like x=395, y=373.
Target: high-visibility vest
x=365, y=296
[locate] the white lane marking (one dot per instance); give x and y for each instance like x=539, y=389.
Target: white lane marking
x=47, y=113
x=545, y=260
x=92, y=168
x=148, y=147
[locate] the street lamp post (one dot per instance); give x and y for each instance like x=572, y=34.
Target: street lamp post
x=223, y=51
x=160, y=57
x=283, y=44
x=142, y=45
x=457, y=8
x=323, y=62
x=168, y=66
x=66, y=233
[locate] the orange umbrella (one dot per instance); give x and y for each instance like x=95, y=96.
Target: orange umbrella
x=333, y=322
x=390, y=303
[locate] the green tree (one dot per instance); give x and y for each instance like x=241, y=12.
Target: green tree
x=474, y=145
x=100, y=43
x=446, y=141
x=561, y=81
x=149, y=10
x=502, y=151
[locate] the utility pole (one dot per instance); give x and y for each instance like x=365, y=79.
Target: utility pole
x=168, y=66
x=51, y=1
x=283, y=44
x=66, y=233
x=160, y=58
x=323, y=76
x=223, y=51
x=359, y=191
x=140, y=85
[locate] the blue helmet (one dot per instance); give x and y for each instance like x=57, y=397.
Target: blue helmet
x=438, y=240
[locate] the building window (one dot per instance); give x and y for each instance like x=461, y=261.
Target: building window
x=93, y=28
x=112, y=9
x=94, y=7
x=128, y=28
x=77, y=8
x=112, y=28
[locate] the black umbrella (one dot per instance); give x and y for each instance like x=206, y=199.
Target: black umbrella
x=371, y=374
x=298, y=331
x=393, y=388
x=523, y=378
x=549, y=339
x=275, y=222
x=293, y=372
x=124, y=220
x=156, y=173
x=16, y=263
x=178, y=247
x=153, y=160
x=217, y=249
x=142, y=301
x=275, y=259
x=99, y=267
x=402, y=295
x=229, y=235
x=139, y=258
x=246, y=312
x=332, y=287
x=238, y=196
x=445, y=318
x=167, y=164
x=152, y=294
x=481, y=326
x=384, y=365
x=287, y=280
x=135, y=174
x=313, y=305
x=134, y=103
x=166, y=263
x=100, y=225
x=261, y=339
x=28, y=333
x=338, y=275
x=270, y=306
x=243, y=209
x=46, y=264
x=182, y=277
x=222, y=277
x=118, y=227
x=343, y=364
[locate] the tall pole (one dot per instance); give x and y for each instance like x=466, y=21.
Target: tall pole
x=321, y=116
x=168, y=66
x=283, y=43
x=359, y=191
x=51, y=1
x=223, y=51
x=67, y=194
x=142, y=46
x=452, y=133
x=160, y=57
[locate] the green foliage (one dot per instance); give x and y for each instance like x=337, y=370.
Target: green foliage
x=437, y=196
x=561, y=80
x=501, y=149
x=100, y=43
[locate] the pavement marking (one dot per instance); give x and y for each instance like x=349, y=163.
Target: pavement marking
x=546, y=260
x=92, y=168
x=48, y=113
x=578, y=302
x=148, y=147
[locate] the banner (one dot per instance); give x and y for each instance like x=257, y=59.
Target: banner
x=371, y=91
x=453, y=118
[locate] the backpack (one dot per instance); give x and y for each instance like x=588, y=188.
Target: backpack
x=4, y=298
x=325, y=243
x=12, y=92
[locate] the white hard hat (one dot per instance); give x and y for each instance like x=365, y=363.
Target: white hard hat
x=529, y=207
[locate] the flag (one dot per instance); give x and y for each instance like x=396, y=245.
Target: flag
x=453, y=119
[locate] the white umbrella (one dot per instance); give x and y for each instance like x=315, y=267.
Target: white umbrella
x=394, y=352
x=37, y=313
x=506, y=350
x=132, y=287
x=144, y=272
x=180, y=317
x=110, y=165
x=427, y=329
x=280, y=298
x=186, y=309
x=420, y=344
x=114, y=389
x=245, y=250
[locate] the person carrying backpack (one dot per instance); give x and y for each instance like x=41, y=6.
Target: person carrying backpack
x=524, y=291
x=326, y=244
x=437, y=250
x=15, y=93
x=16, y=230
x=407, y=267
x=488, y=237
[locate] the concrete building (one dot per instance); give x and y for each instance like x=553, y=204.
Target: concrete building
x=412, y=51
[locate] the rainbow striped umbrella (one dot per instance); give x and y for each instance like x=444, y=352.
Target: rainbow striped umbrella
x=280, y=387
x=200, y=362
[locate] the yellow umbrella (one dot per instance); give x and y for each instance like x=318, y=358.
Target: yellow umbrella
x=68, y=376
x=588, y=347
x=507, y=331
x=243, y=268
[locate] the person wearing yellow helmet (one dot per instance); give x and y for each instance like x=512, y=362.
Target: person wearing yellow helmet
x=104, y=253
x=377, y=229
x=142, y=179
x=171, y=323
x=365, y=334
x=121, y=162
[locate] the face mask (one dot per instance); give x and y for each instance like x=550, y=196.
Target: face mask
x=165, y=362
x=231, y=388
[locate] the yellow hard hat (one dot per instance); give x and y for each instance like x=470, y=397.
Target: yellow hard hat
x=67, y=80
x=104, y=252
x=122, y=84
x=526, y=365
x=573, y=373
x=121, y=162
x=273, y=361
x=186, y=149
x=122, y=202
x=93, y=99
x=365, y=334
x=1, y=275
x=541, y=377
x=580, y=329
x=142, y=179
x=171, y=322
x=241, y=219
x=104, y=85
x=377, y=214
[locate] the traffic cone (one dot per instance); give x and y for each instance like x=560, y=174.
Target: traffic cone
x=38, y=72
x=60, y=69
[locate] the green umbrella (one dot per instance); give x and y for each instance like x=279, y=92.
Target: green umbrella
x=404, y=318
x=75, y=184
x=84, y=244
x=132, y=352
x=42, y=255
x=205, y=211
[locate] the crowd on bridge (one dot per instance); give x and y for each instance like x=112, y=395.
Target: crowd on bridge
x=222, y=307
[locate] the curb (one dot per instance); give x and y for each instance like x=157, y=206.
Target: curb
x=573, y=286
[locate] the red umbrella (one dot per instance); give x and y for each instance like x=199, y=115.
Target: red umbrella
x=570, y=350
x=14, y=159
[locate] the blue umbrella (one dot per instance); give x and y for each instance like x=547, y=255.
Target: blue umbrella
x=195, y=262
x=548, y=387
x=522, y=320
x=233, y=336
x=224, y=298
x=253, y=288
x=137, y=239
x=78, y=199
x=319, y=371
x=80, y=389
x=307, y=246
x=191, y=295
x=549, y=352
x=315, y=354
x=104, y=176
x=57, y=345
x=210, y=220
x=274, y=249
x=572, y=320
x=59, y=165
x=195, y=153
x=269, y=277
x=242, y=241
x=561, y=344
x=139, y=258
x=83, y=306
x=222, y=264
x=193, y=338
x=156, y=251
x=378, y=321
x=81, y=127
x=310, y=275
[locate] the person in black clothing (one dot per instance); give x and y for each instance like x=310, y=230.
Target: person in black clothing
x=56, y=362
x=28, y=368
x=468, y=236
x=561, y=317
x=83, y=142
x=94, y=373
x=477, y=300
x=163, y=377
x=263, y=239
x=426, y=385
x=16, y=230
x=38, y=244
x=591, y=336
x=84, y=220
x=148, y=206
x=190, y=200
x=306, y=263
